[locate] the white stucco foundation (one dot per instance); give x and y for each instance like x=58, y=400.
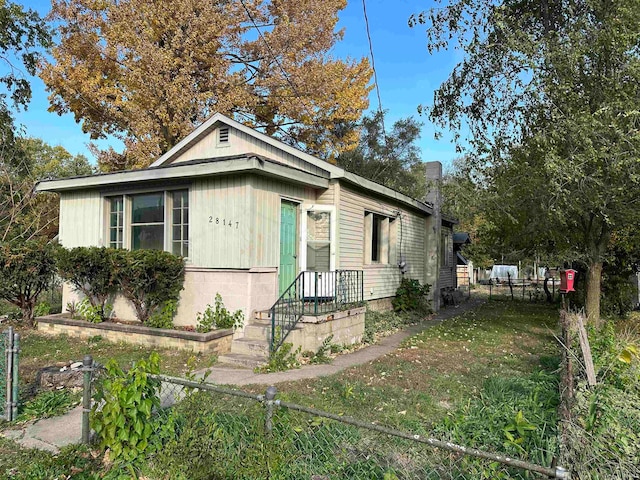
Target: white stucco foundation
x=249, y=290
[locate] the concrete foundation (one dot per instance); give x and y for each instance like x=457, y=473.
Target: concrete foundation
x=347, y=328
x=249, y=290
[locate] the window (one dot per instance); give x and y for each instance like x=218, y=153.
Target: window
x=143, y=217
x=147, y=221
x=180, y=223
x=379, y=238
x=445, y=249
x=116, y=223
x=318, y=241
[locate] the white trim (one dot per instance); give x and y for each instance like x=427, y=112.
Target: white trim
x=304, y=209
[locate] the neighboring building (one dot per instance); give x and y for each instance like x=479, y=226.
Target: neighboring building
x=249, y=213
x=464, y=266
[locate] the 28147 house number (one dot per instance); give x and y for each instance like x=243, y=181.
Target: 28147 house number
x=223, y=222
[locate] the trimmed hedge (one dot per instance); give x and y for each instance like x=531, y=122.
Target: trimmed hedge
x=149, y=279
x=91, y=271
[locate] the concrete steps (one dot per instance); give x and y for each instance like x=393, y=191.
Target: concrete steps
x=246, y=361
x=253, y=349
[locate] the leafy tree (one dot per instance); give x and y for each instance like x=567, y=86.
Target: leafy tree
x=22, y=213
x=392, y=159
x=25, y=272
x=22, y=32
x=148, y=73
x=550, y=93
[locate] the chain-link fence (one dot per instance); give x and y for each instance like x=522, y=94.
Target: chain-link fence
x=229, y=433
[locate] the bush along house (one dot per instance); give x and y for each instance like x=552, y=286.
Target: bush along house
x=296, y=243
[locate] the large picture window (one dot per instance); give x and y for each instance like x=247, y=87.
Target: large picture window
x=147, y=221
x=139, y=221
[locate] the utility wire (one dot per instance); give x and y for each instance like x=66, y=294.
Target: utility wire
x=373, y=67
x=284, y=73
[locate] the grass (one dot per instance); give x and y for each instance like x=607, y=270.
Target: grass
x=39, y=350
x=72, y=463
x=440, y=370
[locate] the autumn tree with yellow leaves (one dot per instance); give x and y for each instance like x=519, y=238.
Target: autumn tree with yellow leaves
x=148, y=72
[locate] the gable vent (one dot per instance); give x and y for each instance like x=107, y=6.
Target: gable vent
x=223, y=135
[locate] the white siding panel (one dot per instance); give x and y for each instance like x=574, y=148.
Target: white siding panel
x=409, y=231
x=80, y=219
x=239, y=144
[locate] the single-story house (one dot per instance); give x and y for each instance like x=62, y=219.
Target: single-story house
x=250, y=214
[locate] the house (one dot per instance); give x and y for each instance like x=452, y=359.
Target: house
x=250, y=213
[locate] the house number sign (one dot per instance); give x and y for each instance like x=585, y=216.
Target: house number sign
x=223, y=222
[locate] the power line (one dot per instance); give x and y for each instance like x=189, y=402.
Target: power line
x=284, y=73
x=373, y=67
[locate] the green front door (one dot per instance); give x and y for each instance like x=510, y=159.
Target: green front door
x=288, y=234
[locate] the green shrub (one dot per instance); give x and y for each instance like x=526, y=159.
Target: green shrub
x=42, y=309
x=26, y=269
x=281, y=360
x=93, y=272
x=411, y=295
x=90, y=313
x=149, y=279
x=163, y=318
x=218, y=317
x=321, y=356
x=382, y=322
x=124, y=402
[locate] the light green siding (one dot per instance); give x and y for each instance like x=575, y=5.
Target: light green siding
x=407, y=230
x=221, y=223
x=240, y=144
x=81, y=219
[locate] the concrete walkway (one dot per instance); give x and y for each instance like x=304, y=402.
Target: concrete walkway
x=52, y=433
x=241, y=376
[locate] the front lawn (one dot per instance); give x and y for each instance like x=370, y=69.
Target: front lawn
x=465, y=379
x=39, y=350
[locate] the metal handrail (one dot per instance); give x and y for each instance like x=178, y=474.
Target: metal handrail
x=313, y=293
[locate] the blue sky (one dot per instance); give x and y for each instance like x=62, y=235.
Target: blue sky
x=407, y=75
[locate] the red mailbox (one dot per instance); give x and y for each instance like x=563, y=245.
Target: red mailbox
x=567, y=277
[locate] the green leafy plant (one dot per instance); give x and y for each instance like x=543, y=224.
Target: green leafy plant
x=411, y=295
x=122, y=415
x=93, y=272
x=517, y=430
x=282, y=359
x=149, y=279
x=218, y=317
x=164, y=317
x=321, y=356
x=41, y=309
x=92, y=313
x=26, y=270
x=49, y=404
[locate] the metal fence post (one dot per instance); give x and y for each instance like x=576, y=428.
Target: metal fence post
x=8, y=410
x=15, y=393
x=87, y=368
x=269, y=397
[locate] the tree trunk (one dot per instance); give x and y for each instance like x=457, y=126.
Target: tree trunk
x=593, y=293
